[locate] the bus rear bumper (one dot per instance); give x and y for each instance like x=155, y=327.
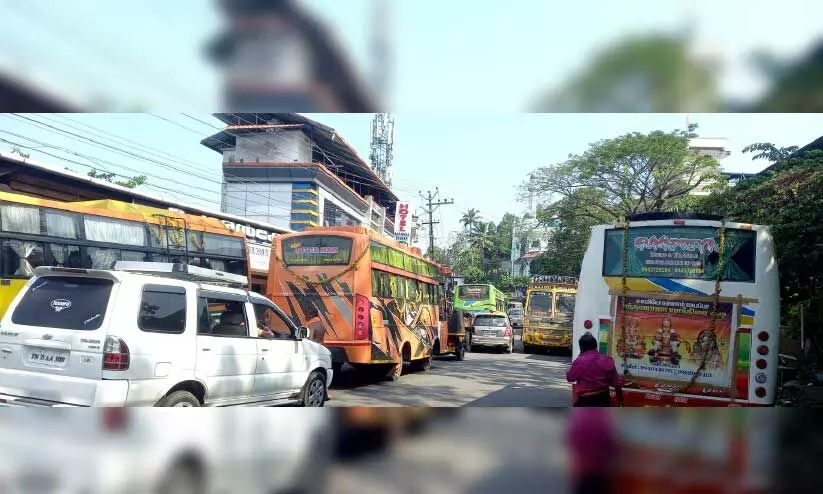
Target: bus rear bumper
x=645, y=398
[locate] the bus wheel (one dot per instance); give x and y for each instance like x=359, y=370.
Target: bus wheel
x=395, y=372
x=423, y=364
x=459, y=351
x=527, y=348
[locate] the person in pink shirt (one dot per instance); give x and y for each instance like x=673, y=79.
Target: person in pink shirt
x=594, y=447
x=593, y=375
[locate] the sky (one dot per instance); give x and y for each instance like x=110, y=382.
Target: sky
x=455, y=56
x=477, y=160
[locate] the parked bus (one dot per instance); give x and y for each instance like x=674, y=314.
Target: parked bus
x=547, y=320
x=96, y=234
x=686, y=325
x=373, y=302
x=476, y=298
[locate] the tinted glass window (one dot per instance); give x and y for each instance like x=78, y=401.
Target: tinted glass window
x=320, y=250
x=225, y=318
x=497, y=322
x=65, y=303
x=163, y=309
x=221, y=245
x=270, y=324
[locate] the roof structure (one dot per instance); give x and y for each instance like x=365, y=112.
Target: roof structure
x=330, y=148
x=25, y=176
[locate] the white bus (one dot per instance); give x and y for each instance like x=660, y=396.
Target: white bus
x=648, y=290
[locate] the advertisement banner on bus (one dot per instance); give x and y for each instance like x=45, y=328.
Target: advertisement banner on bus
x=680, y=252
x=666, y=342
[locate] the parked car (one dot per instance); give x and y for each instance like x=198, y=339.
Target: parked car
x=516, y=317
x=142, y=450
x=492, y=330
x=152, y=334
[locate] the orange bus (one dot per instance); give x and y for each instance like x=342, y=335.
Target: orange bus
x=373, y=302
x=96, y=234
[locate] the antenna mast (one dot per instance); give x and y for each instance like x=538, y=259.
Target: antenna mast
x=382, y=146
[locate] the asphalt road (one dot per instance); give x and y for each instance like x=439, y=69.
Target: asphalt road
x=484, y=378
x=479, y=451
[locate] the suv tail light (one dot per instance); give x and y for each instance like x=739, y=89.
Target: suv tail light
x=116, y=355
x=114, y=419
x=507, y=331
x=362, y=317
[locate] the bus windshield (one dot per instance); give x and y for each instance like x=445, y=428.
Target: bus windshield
x=473, y=292
x=564, y=303
x=540, y=303
x=317, y=250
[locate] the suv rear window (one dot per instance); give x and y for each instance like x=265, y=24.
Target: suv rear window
x=64, y=302
x=494, y=321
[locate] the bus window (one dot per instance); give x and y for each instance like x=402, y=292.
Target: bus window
x=20, y=219
x=398, y=287
x=100, y=229
x=540, y=303
x=473, y=292
x=564, y=303
x=21, y=257
x=412, y=291
x=318, y=250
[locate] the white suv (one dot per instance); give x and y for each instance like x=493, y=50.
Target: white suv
x=77, y=337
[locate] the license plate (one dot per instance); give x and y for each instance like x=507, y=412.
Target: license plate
x=490, y=332
x=47, y=357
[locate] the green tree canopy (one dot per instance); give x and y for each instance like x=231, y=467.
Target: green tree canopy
x=626, y=175
x=129, y=183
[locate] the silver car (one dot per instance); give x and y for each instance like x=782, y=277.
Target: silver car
x=516, y=318
x=492, y=330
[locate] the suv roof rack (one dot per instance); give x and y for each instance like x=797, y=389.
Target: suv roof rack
x=184, y=272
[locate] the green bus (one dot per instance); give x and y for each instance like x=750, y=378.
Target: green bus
x=479, y=298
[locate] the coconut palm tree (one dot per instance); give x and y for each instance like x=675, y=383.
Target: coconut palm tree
x=482, y=240
x=470, y=219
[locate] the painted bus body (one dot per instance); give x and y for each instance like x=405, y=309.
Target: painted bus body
x=669, y=263
x=547, y=319
x=367, y=298
x=479, y=298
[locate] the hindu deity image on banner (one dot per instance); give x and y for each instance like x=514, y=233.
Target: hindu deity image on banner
x=667, y=341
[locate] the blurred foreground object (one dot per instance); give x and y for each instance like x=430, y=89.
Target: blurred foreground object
x=278, y=57
x=249, y=450
x=797, y=87
x=18, y=94
x=657, y=73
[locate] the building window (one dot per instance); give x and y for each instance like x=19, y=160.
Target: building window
x=333, y=215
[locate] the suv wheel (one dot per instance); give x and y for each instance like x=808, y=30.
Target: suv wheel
x=314, y=393
x=179, y=399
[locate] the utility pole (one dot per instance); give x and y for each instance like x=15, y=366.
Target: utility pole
x=432, y=203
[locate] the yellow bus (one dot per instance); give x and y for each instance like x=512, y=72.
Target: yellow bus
x=547, y=319
x=96, y=234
